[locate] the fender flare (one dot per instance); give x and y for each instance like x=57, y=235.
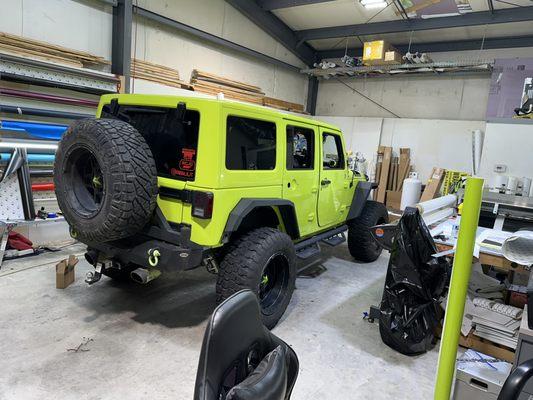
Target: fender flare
x=246, y=206
x=360, y=196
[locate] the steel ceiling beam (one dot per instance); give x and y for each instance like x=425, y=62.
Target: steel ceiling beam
x=279, y=4
x=121, y=41
x=275, y=28
x=435, y=47
x=507, y=15
x=209, y=38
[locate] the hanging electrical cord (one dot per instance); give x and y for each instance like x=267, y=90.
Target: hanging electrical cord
x=509, y=3
x=366, y=97
x=410, y=41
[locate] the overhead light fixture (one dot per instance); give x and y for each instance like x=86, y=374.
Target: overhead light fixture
x=370, y=4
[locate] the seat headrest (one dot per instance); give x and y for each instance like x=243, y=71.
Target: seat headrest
x=267, y=382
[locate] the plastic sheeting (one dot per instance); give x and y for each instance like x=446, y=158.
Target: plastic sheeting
x=414, y=284
x=519, y=248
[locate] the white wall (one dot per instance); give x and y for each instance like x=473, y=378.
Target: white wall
x=433, y=143
x=155, y=43
x=461, y=97
x=510, y=145
x=83, y=25
x=86, y=25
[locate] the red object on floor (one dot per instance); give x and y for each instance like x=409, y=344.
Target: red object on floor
x=18, y=242
x=42, y=187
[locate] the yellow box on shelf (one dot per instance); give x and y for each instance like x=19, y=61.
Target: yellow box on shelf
x=374, y=52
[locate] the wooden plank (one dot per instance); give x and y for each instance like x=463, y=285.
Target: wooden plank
x=282, y=104
x=403, y=169
x=48, y=48
x=202, y=75
x=485, y=346
x=7, y=49
x=383, y=179
x=418, y=7
x=226, y=88
x=229, y=95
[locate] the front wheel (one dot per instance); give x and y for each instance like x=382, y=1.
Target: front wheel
x=262, y=260
x=362, y=246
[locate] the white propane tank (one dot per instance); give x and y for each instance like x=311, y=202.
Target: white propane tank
x=412, y=189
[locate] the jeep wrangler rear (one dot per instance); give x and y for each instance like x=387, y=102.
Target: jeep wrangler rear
x=165, y=183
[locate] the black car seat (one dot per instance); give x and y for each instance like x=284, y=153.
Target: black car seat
x=240, y=358
x=515, y=382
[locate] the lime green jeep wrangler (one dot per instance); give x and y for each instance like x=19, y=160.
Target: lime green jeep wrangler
x=166, y=183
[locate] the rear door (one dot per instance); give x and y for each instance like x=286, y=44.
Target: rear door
x=331, y=198
x=300, y=177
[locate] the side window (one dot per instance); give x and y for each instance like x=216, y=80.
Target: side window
x=332, y=157
x=300, y=148
x=250, y=144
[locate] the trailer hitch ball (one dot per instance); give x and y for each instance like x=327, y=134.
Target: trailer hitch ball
x=153, y=257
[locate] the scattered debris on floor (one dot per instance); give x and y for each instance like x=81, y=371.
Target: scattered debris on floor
x=81, y=347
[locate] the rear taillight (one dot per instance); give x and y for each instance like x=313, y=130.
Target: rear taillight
x=202, y=204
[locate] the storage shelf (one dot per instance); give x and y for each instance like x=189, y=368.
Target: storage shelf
x=34, y=71
x=434, y=69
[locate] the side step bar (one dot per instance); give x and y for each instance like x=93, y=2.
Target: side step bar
x=310, y=247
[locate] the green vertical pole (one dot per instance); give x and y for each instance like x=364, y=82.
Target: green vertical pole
x=462, y=266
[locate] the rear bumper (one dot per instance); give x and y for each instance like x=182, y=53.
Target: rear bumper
x=176, y=250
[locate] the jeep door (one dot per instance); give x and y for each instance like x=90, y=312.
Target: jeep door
x=300, y=176
x=333, y=179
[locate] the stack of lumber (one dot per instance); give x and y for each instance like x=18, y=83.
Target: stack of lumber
x=43, y=51
x=156, y=73
x=205, y=82
x=283, y=105
x=390, y=174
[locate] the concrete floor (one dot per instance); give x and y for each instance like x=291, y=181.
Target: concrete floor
x=144, y=341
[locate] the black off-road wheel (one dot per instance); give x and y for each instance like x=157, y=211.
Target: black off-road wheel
x=361, y=244
x=106, y=179
x=264, y=261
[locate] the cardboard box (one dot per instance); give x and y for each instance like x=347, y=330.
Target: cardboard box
x=435, y=180
x=65, y=272
x=374, y=52
x=392, y=57
x=394, y=198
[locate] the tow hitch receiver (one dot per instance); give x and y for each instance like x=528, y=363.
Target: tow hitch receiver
x=93, y=277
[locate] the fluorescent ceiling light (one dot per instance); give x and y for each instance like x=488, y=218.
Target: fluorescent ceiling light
x=28, y=145
x=373, y=3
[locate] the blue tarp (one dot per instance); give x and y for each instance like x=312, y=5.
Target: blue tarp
x=35, y=129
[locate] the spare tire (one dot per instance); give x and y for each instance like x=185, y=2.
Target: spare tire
x=105, y=179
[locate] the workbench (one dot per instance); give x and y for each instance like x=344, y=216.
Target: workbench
x=487, y=256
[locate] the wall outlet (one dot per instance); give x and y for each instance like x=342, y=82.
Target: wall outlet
x=500, y=168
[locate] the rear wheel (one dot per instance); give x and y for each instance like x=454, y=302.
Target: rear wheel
x=262, y=260
x=361, y=244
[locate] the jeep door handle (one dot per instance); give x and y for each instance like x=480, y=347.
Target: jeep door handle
x=325, y=182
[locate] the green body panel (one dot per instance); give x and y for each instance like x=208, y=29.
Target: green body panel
x=318, y=207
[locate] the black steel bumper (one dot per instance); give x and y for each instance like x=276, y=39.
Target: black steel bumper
x=176, y=251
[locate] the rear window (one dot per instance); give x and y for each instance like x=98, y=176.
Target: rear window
x=250, y=144
x=171, y=134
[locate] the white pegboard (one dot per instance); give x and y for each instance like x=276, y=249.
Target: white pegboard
x=11, y=199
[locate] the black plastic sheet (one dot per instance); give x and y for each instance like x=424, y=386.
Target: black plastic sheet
x=414, y=285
